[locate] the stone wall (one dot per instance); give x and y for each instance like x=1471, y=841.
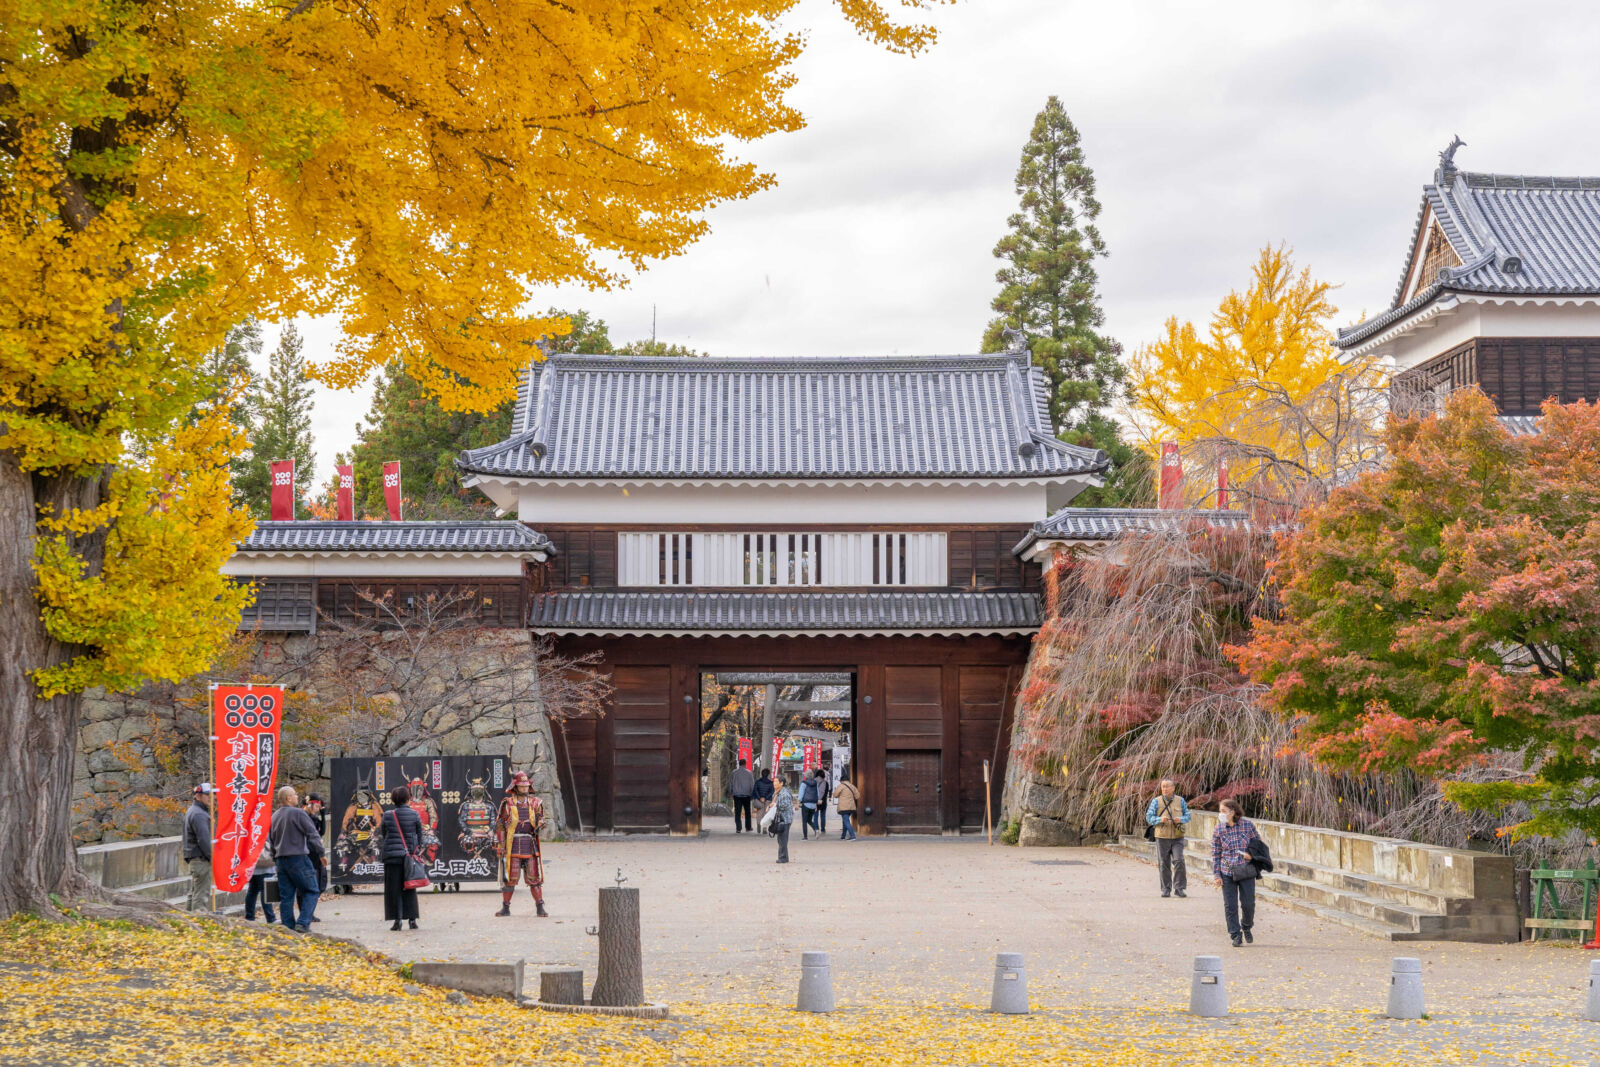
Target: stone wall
x=1039, y=803
x=140, y=753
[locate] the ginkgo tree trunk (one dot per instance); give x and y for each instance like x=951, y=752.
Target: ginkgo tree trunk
x=412, y=168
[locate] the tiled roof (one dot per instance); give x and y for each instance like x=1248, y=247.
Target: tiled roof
x=1521, y=425
x=445, y=537
x=1105, y=524
x=792, y=612
x=1514, y=234
x=611, y=417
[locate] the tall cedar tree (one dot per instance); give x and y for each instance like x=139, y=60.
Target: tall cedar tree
x=170, y=169
x=280, y=412
x=1048, y=290
x=1447, y=607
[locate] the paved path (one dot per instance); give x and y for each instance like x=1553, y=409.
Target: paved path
x=917, y=921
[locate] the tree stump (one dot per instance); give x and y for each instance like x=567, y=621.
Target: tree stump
x=562, y=986
x=619, y=980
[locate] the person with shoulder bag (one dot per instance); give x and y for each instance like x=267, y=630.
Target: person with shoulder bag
x=402, y=840
x=782, y=819
x=1231, y=865
x=847, y=796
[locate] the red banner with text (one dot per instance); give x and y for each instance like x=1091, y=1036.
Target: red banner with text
x=777, y=754
x=747, y=752
x=282, y=489
x=245, y=723
x=1171, y=476
x=391, y=489
x=346, y=492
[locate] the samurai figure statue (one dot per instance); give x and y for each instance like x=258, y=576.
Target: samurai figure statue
x=517, y=826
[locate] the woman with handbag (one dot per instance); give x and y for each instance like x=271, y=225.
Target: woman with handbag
x=402, y=839
x=783, y=818
x=1230, y=863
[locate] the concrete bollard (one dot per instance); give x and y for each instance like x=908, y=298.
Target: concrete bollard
x=1208, y=996
x=816, y=983
x=1405, y=989
x=1010, y=985
x=1592, y=1012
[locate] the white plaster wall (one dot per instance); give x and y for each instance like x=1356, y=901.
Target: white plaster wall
x=1470, y=320
x=710, y=506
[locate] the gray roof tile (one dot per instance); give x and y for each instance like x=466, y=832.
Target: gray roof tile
x=446, y=536
x=1521, y=425
x=610, y=417
x=1105, y=524
x=1549, y=226
x=884, y=612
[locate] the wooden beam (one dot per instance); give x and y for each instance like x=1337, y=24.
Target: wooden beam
x=780, y=678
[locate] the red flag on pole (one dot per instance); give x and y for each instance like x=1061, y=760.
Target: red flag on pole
x=777, y=754
x=282, y=489
x=747, y=752
x=245, y=720
x=1171, y=476
x=391, y=489
x=346, y=492
x=1222, y=485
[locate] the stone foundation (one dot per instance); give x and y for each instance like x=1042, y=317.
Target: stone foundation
x=139, y=754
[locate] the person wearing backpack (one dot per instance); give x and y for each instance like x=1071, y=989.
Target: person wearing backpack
x=1234, y=871
x=810, y=795
x=1166, y=818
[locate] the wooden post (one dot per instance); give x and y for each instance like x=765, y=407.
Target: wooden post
x=619, y=979
x=988, y=824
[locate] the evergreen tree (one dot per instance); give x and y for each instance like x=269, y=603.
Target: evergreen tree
x=406, y=424
x=1049, y=292
x=228, y=372
x=281, y=413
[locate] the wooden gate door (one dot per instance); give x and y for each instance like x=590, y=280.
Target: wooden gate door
x=912, y=781
x=640, y=745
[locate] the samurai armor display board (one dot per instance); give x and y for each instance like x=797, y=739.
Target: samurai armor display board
x=455, y=797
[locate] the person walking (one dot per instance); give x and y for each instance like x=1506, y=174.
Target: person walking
x=295, y=843
x=782, y=819
x=847, y=797
x=810, y=790
x=1167, y=816
x=742, y=785
x=824, y=791
x=763, y=792
x=197, y=847
x=1230, y=863
x=402, y=840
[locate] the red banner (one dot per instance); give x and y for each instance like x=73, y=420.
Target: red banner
x=346, y=492
x=245, y=720
x=777, y=754
x=1171, y=476
x=808, y=758
x=391, y=489
x=747, y=752
x=1222, y=485
x=282, y=489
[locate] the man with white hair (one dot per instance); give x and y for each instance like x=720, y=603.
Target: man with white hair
x=295, y=842
x=1167, y=816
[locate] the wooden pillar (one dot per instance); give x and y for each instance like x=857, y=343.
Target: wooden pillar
x=769, y=726
x=683, y=756
x=871, y=746
x=950, y=749
x=605, y=761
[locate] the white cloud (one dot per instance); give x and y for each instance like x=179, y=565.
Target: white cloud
x=1213, y=129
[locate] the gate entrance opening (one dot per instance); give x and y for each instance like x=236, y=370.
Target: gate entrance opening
x=785, y=723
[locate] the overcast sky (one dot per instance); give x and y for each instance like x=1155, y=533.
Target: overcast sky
x=1212, y=129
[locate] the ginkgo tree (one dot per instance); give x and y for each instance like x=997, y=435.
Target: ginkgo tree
x=411, y=169
x=1262, y=391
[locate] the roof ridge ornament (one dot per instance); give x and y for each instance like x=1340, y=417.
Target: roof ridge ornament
x=1446, y=174
x=1016, y=341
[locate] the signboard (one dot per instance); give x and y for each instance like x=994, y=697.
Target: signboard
x=454, y=796
x=245, y=723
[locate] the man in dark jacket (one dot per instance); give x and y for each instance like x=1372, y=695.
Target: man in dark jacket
x=197, y=847
x=824, y=791
x=742, y=785
x=763, y=792
x=296, y=846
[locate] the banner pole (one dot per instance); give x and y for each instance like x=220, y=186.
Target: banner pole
x=211, y=779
